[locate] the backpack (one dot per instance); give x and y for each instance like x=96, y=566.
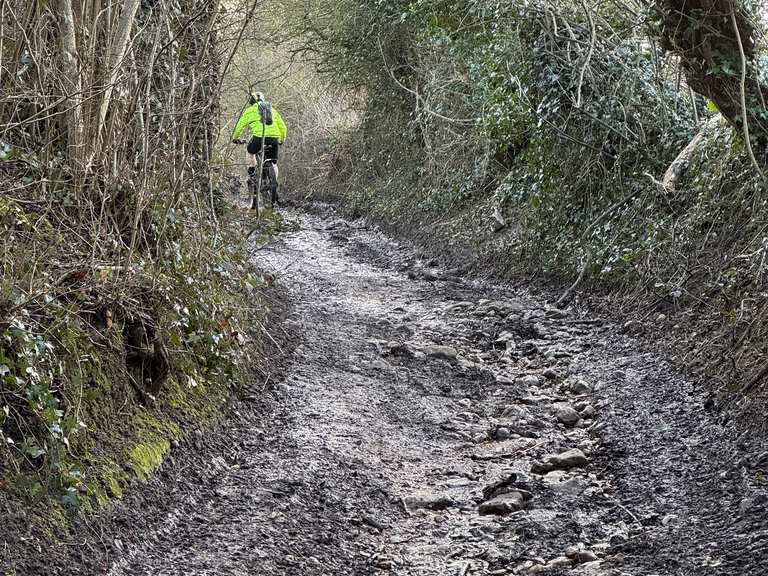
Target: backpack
x=265, y=110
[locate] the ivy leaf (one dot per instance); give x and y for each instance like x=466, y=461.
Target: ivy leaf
x=34, y=451
x=70, y=498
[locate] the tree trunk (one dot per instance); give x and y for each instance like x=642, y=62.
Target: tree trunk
x=116, y=55
x=72, y=84
x=704, y=34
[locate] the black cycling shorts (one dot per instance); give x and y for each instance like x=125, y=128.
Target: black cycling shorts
x=271, y=148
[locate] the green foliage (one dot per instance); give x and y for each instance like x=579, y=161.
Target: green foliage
x=566, y=116
x=555, y=128
x=34, y=424
x=66, y=395
x=115, y=479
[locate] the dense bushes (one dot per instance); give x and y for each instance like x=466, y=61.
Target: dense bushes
x=509, y=99
x=567, y=118
x=126, y=298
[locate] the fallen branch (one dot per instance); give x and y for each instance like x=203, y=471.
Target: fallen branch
x=680, y=164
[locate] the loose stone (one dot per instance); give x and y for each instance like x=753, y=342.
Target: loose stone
x=573, y=458
x=429, y=501
x=445, y=352
x=529, y=380
x=588, y=412
x=550, y=374
x=568, y=415
x=580, y=387
x=503, y=504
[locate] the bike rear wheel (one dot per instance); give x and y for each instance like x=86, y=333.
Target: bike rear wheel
x=272, y=177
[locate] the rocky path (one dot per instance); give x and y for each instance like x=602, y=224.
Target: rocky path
x=429, y=425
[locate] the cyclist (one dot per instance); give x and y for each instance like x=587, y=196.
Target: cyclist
x=273, y=134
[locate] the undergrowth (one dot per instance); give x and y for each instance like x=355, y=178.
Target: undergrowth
x=129, y=311
x=564, y=119
x=103, y=367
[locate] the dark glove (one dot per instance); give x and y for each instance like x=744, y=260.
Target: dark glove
x=237, y=141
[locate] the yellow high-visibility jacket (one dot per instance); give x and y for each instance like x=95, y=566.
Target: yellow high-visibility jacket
x=251, y=118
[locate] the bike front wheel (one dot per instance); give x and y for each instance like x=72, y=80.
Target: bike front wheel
x=255, y=189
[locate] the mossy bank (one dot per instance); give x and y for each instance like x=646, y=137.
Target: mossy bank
x=99, y=391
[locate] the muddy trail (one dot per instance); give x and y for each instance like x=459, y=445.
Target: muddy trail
x=428, y=424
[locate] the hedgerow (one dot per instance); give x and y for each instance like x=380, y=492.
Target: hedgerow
x=566, y=118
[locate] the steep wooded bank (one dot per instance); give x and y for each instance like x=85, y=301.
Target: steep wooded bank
x=127, y=306
x=603, y=142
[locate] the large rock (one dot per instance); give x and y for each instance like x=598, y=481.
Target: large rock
x=429, y=501
x=503, y=504
x=580, y=387
x=444, y=352
x=568, y=415
x=573, y=458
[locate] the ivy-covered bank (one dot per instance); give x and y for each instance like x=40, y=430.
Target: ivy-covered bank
x=561, y=141
x=129, y=312
x=104, y=376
